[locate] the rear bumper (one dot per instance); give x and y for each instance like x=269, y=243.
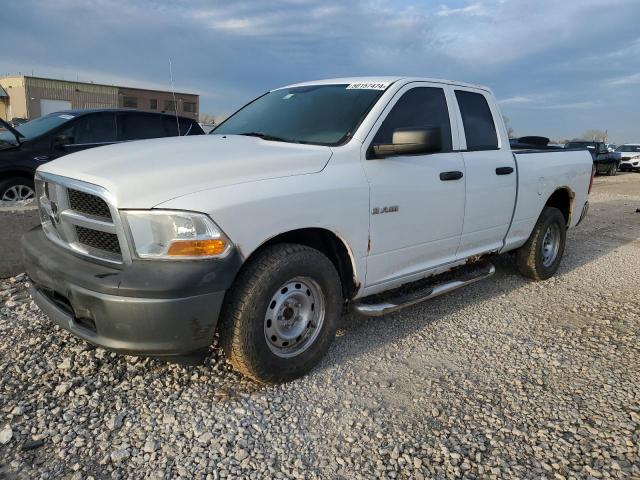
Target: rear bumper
x=147, y=308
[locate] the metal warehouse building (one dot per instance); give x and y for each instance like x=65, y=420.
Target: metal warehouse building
x=31, y=97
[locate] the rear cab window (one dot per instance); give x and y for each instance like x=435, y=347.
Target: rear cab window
x=479, y=125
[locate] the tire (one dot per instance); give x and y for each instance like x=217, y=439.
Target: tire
x=16, y=189
x=535, y=259
x=284, y=288
x=613, y=170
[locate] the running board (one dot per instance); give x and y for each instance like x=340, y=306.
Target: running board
x=483, y=269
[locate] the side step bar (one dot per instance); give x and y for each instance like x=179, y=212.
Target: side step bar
x=483, y=269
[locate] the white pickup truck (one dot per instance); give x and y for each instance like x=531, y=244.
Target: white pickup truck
x=311, y=199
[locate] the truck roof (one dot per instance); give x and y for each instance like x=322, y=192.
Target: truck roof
x=390, y=79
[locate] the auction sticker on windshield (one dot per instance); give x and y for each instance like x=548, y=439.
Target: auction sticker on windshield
x=369, y=85
x=66, y=117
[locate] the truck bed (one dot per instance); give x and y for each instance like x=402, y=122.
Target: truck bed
x=569, y=169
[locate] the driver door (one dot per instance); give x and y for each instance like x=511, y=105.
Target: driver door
x=417, y=201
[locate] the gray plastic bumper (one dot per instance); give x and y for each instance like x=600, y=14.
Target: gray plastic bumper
x=141, y=310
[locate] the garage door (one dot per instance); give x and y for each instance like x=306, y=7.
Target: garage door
x=50, y=106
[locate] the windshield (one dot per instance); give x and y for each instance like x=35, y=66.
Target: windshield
x=628, y=148
x=590, y=146
x=37, y=127
x=316, y=114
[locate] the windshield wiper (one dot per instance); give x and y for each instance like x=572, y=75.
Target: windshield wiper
x=264, y=136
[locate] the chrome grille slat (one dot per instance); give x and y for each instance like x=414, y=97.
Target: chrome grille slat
x=81, y=217
x=93, y=223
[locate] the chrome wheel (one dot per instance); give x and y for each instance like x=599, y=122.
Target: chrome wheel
x=18, y=193
x=294, y=317
x=550, y=245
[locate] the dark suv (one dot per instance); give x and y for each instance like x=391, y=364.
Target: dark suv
x=603, y=160
x=26, y=147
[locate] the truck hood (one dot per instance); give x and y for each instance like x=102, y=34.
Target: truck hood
x=143, y=174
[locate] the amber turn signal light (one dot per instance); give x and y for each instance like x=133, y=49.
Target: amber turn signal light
x=196, y=248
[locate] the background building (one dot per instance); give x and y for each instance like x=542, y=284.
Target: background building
x=31, y=97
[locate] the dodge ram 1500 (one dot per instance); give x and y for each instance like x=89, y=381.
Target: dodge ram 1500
x=311, y=199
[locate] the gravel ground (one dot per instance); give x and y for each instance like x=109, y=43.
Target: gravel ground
x=506, y=378
x=15, y=219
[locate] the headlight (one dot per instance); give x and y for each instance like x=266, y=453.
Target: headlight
x=166, y=234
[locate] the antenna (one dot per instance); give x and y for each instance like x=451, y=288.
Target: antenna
x=173, y=92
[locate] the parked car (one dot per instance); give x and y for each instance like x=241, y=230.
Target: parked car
x=25, y=147
x=605, y=161
x=312, y=198
x=629, y=156
x=535, y=142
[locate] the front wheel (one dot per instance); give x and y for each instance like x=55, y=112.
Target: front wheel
x=282, y=313
x=613, y=170
x=17, y=189
x=540, y=257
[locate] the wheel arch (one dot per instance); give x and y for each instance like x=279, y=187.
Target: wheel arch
x=16, y=172
x=562, y=199
x=330, y=244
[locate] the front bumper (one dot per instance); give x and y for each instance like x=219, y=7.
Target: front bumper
x=151, y=308
x=630, y=166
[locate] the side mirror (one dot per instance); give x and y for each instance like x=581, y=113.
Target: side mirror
x=410, y=141
x=62, y=141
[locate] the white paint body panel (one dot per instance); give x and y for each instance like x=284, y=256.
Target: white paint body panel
x=144, y=173
x=256, y=189
x=539, y=175
x=425, y=231
x=490, y=198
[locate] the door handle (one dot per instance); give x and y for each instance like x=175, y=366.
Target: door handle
x=455, y=175
x=504, y=170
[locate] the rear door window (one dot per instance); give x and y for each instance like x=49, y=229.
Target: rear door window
x=141, y=127
x=420, y=107
x=479, y=127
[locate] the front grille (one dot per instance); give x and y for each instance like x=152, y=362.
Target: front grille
x=86, y=203
x=77, y=216
x=105, y=241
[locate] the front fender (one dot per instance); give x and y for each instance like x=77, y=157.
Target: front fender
x=335, y=199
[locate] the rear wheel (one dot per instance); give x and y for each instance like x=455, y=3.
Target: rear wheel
x=282, y=313
x=540, y=257
x=17, y=189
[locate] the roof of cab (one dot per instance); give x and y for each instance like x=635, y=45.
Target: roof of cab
x=382, y=79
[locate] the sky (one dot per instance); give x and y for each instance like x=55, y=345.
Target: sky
x=557, y=67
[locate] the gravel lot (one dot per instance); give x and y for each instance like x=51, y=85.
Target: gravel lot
x=506, y=378
x=15, y=221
